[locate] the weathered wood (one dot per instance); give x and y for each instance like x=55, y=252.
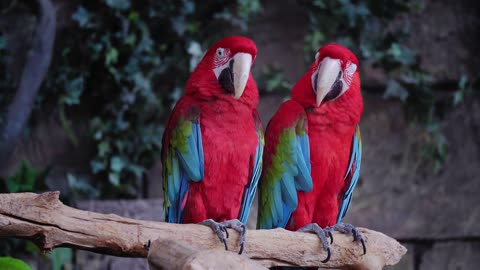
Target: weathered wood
x=173, y=255
x=45, y=220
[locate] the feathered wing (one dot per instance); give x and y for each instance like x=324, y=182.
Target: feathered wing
x=255, y=171
x=352, y=175
x=182, y=157
x=286, y=167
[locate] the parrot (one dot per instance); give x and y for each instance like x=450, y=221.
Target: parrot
x=212, y=145
x=312, y=155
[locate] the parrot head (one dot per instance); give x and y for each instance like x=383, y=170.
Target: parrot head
x=332, y=79
x=224, y=72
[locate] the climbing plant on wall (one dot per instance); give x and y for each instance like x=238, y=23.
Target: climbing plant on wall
x=118, y=68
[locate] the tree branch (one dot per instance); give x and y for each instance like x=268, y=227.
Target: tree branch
x=173, y=255
x=36, y=67
x=45, y=220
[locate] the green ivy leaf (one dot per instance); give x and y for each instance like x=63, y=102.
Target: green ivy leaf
x=103, y=148
x=395, y=90
x=462, y=83
x=136, y=170
x=133, y=16
x=24, y=179
x=111, y=57
x=117, y=164
x=118, y=4
x=74, y=89
x=97, y=166
x=82, y=17
x=79, y=185
x=60, y=257
x=3, y=42
x=457, y=98
x=9, y=263
x=246, y=8
x=114, y=178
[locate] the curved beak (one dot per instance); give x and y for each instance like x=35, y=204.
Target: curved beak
x=242, y=63
x=327, y=74
x=233, y=75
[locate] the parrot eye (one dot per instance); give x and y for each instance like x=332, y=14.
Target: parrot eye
x=220, y=51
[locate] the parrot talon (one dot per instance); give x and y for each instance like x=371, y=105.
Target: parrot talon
x=328, y=255
x=242, y=238
x=225, y=244
x=220, y=227
x=226, y=232
x=364, y=246
x=322, y=235
x=346, y=228
x=239, y=227
x=331, y=236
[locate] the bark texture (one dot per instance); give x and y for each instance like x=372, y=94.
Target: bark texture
x=173, y=255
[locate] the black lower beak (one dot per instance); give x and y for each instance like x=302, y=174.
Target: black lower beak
x=226, y=78
x=336, y=89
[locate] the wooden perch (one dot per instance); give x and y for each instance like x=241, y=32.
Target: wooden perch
x=45, y=220
x=178, y=256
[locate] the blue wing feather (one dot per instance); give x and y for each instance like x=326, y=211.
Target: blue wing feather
x=251, y=189
x=186, y=166
x=297, y=177
x=279, y=197
x=354, y=164
x=304, y=182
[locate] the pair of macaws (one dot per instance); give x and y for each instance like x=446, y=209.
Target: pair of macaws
x=213, y=147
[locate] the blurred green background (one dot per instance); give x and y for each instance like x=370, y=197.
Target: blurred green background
x=118, y=66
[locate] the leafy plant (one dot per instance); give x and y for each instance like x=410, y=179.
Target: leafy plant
x=272, y=79
x=368, y=28
x=134, y=59
x=465, y=89
x=9, y=263
x=26, y=179
x=60, y=257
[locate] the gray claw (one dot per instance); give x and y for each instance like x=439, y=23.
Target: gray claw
x=322, y=234
x=238, y=226
x=221, y=227
x=218, y=229
x=328, y=255
x=349, y=229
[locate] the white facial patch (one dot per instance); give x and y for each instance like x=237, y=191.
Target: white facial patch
x=219, y=69
x=220, y=60
x=350, y=69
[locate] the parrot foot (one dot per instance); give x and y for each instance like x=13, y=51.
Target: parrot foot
x=349, y=229
x=221, y=227
x=322, y=234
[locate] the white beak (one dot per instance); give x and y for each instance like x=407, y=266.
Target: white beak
x=241, y=70
x=327, y=74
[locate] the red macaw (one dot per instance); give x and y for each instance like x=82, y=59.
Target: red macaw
x=313, y=149
x=213, y=142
